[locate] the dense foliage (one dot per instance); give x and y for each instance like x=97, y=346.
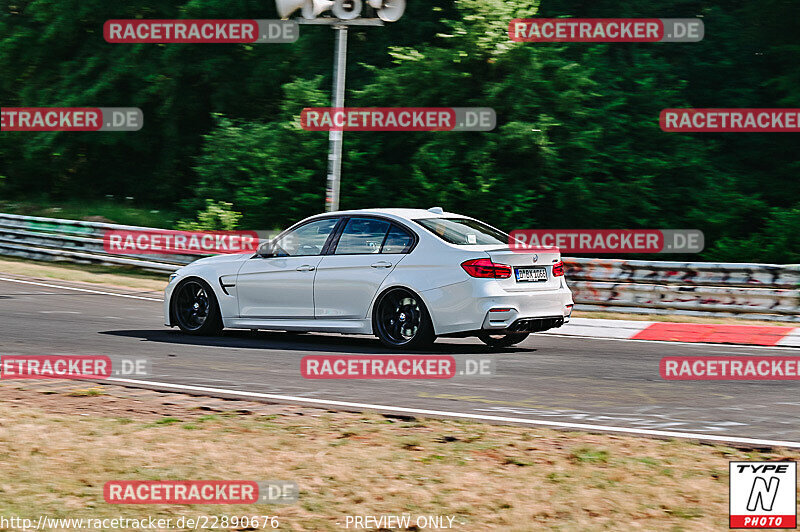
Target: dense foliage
x=577, y=144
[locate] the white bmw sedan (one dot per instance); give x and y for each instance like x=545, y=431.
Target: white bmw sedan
x=404, y=275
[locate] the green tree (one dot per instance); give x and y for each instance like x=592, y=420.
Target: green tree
x=217, y=216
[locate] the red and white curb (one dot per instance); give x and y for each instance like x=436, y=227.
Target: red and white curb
x=681, y=332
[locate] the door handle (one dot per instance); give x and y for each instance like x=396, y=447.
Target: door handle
x=382, y=264
x=305, y=268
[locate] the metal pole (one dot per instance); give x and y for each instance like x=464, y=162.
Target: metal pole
x=335, y=137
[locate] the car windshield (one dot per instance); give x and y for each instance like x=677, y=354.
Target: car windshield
x=463, y=231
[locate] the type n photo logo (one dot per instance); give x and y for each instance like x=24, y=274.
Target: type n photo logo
x=763, y=494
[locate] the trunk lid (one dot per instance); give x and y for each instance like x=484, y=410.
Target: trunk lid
x=525, y=267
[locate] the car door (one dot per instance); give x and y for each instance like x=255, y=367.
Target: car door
x=347, y=279
x=282, y=285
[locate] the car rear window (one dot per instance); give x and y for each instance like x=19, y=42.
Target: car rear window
x=463, y=231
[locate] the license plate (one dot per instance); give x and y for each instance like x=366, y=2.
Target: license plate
x=530, y=275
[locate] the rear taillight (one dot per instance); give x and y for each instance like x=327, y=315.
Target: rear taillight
x=558, y=269
x=485, y=268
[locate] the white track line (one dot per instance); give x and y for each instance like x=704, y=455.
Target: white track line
x=367, y=406
x=79, y=289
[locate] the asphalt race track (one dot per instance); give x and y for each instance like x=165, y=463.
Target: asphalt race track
x=556, y=381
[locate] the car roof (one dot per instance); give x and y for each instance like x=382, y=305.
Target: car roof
x=406, y=214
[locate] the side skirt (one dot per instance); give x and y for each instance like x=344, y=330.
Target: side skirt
x=311, y=325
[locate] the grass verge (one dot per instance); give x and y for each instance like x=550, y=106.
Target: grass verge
x=60, y=449
x=117, y=277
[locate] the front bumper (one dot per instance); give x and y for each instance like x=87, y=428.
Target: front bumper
x=167, y=297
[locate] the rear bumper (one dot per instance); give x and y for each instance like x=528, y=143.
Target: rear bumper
x=481, y=304
x=513, y=322
x=532, y=325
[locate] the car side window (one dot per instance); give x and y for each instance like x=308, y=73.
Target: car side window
x=397, y=241
x=362, y=236
x=306, y=240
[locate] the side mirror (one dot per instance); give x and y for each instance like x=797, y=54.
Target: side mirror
x=266, y=249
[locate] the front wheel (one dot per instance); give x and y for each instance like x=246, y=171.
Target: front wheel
x=401, y=320
x=501, y=340
x=195, y=308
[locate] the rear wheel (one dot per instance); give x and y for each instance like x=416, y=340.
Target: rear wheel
x=195, y=308
x=501, y=340
x=400, y=320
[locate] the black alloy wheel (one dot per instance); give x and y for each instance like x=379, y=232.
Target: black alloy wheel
x=195, y=308
x=402, y=321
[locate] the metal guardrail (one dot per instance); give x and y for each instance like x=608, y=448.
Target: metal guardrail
x=685, y=273
x=750, y=291
x=54, y=239
x=753, y=291
x=619, y=297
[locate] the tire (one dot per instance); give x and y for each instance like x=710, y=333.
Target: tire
x=401, y=321
x=501, y=340
x=195, y=308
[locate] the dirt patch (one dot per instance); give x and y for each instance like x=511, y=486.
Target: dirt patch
x=90, y=399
